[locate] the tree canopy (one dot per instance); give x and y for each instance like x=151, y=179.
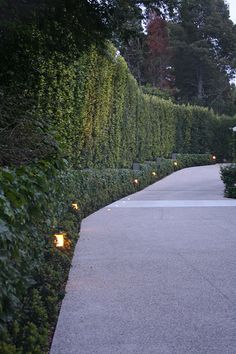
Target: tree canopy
x=203, y=41
x=190, y=45
x=187, y=46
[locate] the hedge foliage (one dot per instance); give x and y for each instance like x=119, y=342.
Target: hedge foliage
x=228, y=176
x=94, y=109
x=188, y=160
x=35, y=203
x=103, y=119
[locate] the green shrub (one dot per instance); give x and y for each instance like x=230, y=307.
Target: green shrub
x=228, y=176
x=188, y=160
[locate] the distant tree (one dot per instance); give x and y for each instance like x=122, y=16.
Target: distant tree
x=157, y=69
x=124, y=20
x=227, y=103
x=126, y=17
x=203, y=40
x=134, y=54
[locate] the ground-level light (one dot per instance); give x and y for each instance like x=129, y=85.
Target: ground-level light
x=136, y=181
x=214, y=157
x=175, y=163
x=60, y=239
x=75, y=206
x=154, y=174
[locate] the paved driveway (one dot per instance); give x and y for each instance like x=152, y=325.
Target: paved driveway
x=155, y=273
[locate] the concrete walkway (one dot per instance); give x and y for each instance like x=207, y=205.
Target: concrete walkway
x=155, y=273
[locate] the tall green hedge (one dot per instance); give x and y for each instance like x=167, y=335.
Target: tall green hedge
x=102, y=118
x=94, y=109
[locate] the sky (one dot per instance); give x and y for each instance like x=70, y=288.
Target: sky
x=232, y=9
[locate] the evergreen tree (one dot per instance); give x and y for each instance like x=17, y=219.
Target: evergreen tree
x=203, y=40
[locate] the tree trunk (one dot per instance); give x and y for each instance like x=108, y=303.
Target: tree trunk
x=200, y=84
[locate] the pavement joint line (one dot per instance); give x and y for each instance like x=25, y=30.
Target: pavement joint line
x=179, y=190
x=174, y=203
x=206, y=279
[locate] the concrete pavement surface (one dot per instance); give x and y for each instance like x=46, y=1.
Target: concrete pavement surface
x=155, y=273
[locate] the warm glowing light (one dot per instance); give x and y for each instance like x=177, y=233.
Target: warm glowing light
x=213, y=157
x=75, y=206
x=60, y=240
x=154, y=174
x=136, y=181
x=176, y=163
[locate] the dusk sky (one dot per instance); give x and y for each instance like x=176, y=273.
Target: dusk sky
x=232, y=8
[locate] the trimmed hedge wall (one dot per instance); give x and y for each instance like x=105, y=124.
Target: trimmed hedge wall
x=102, y=118
x=35, y=202
x=188, y=160
x=94, y=110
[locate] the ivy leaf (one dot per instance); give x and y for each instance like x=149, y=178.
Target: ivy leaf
x=15, y=199
x=8, y=175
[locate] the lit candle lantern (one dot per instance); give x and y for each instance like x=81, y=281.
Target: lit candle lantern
x=154, y=174
x=176, y=163
x=136, y=181
x=60, y=238
x=214, y=157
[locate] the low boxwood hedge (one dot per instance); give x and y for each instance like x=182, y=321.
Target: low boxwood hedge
x=228, y=176
x=188, y=160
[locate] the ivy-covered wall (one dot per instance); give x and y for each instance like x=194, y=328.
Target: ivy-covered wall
x=102, y=118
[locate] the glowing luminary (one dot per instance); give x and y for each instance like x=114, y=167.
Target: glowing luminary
x=75, y=206
x=60, y=239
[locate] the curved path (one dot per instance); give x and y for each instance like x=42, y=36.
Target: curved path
x=155, y=273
